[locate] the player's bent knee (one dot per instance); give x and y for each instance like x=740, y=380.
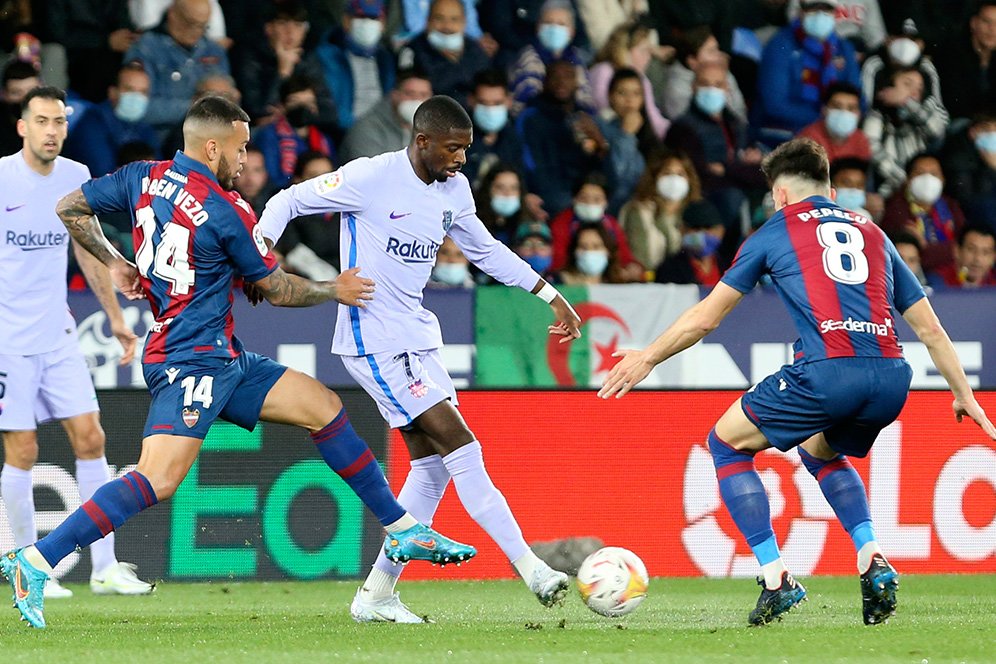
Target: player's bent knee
x=20, y=449
x=90, y=445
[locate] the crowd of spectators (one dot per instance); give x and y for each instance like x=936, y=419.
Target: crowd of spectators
x=615, y=141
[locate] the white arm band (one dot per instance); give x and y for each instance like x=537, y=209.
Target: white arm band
x=548, y=293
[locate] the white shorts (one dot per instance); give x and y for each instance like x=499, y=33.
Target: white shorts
x=404, y=385
x=48, y=386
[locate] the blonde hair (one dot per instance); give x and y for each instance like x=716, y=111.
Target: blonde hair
x=620, y=41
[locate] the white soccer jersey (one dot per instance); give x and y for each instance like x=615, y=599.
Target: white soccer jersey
x=34, y=246
x=392, y=226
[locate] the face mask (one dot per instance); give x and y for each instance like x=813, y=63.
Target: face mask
x=850, y=198
x=491, y=118
x=301, y=116
x=444, y=42
x=553, y=37
x=589, y=212
x=672, y=187
x=986, y=142
x=131, y=106
x=505, y=206
x=700, y=244
x=540, y=264
x=592, y=263
x=366, y=31
x=818, y=25
x=841, y=123
x=451, y=274
x=710, y=100
x=926, y=188
x=406, y=110
x=904, y=51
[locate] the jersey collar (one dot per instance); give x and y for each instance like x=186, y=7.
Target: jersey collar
x=185, y=162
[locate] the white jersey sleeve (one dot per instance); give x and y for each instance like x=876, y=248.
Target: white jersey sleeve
x=338, y=191
x=483, y=250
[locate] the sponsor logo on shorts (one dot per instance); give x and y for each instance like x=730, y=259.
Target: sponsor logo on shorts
x=861, y=326
x=418, y=389
x=191, y=417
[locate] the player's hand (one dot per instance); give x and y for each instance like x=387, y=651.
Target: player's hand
x=252, y=293
x=353, y=290
x=125, y=277
x=568, y=323
x=126, y=337
x=627, y=373
x=971, y=408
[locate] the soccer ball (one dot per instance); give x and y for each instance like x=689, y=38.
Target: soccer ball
x=613, y=581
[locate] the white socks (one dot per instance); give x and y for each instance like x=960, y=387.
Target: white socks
x=19, y=499
x=404, y=523
x=865, y=554
x=773, y=574
x=420, y=495
x=91, y=474
x=34, y=556
x=483, y=501
x=526, y=565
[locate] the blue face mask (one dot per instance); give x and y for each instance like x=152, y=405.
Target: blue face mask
x=554, y=38
x=451, y=274
x=539, y=263
x=850, y=198
x=444, y=42
x=986, y=141
x=700, y=244
x=841, y=123
x=710, y=100
x=818, y=25
x=505, y=206
x=131, y=106
x=592, y=263
x=491, y=118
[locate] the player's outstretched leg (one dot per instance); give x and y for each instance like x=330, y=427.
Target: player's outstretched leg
x=376, y=600
x=407, y=539
x=844, y=490
x=745, y=498
x=488, y=507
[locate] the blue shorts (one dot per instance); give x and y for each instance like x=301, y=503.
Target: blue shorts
x=848, y=399
x=187, y=397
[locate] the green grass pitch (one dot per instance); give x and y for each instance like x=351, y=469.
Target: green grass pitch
x=940, y=619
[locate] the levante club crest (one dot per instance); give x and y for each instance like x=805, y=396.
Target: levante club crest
x=447, y=220
x=190, y=417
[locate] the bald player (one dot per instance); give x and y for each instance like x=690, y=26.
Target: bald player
x=193, y=235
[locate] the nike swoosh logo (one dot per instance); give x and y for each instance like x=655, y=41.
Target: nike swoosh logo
x=21, y=593
x=11, y=208
x=394, y=215
x=425, y=544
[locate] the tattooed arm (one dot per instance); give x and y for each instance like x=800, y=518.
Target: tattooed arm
x=287, y=290
x=79, y=219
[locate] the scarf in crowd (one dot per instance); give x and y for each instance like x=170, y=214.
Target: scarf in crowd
x=288, y=141
x=818, y=68
x=936, y=224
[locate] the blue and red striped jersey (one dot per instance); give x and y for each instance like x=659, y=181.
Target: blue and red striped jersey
x=839, y=275
x=192, y=238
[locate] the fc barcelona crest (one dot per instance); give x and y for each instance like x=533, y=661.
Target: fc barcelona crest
x=190, y=417
x=447, y=220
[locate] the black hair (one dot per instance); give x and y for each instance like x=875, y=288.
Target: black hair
x=463, y=9
x=439, y=115
x=490, y=78
x=904, y=237
x=917, y=157
x=975, y=228
x=213, y=109
x=838, y=87
x=18, y=70
x=407, y=73
x=285, y=10
x=43, y=92
x=596, y=178
x=801, y=157
x=983, y=116
x=252, y=147
x=690, y=40
x=135, y=151
x=296, y=83
x=624, y=74
x=306, y=158
x=848, y=164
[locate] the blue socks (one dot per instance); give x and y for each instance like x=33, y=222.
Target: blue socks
x=111, y=505
x=745, y=498
x=346, y=453
x=844, y=490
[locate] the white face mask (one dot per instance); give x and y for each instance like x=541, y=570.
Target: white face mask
x=406, y=110
x=673, y=187
x=589, y=212
x=366, y=31
x=592, y=263
x=926, y=188
x=904, y=51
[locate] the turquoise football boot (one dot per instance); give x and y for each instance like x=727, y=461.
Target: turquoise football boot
x=28, y=583
x=421, y=542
